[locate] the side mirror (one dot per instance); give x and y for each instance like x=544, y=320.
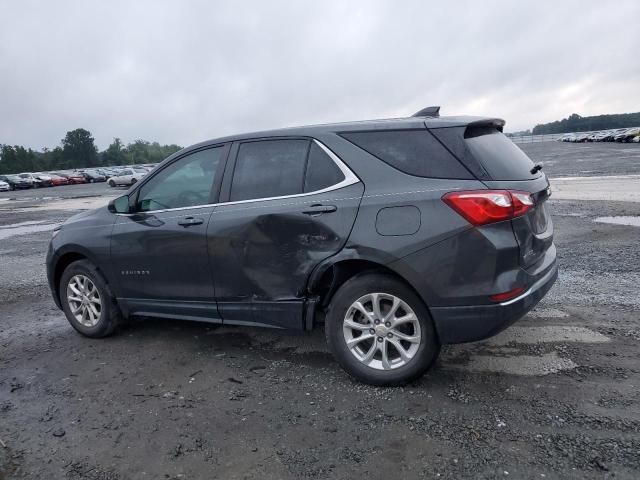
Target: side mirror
x=119, y=205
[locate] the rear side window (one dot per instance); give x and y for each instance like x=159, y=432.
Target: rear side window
x=322, y=172
x=499, y=156
x=269, y=168
x=415, y=152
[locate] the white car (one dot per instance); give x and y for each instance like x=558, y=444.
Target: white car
x=4, y=186
x=128, y=176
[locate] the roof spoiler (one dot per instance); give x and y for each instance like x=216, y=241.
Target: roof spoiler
x=483, y=127
x=428, y=112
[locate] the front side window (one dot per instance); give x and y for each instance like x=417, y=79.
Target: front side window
x=269, y=168
x=185, y=183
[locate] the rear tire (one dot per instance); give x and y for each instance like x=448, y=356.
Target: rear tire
x=111, y=183
x=403, y=350
x=87, y=301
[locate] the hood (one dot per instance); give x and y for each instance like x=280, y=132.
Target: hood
x=89, y=218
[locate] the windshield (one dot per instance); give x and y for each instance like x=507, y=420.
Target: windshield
x=500, y=157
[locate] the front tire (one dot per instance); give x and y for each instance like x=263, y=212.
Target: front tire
x=380, y=331
x=112, y=183
x=87, y=301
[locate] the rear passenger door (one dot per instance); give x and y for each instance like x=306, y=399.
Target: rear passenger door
x=287, y=204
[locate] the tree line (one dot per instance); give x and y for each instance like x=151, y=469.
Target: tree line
x=78, y=150
x=577, y=123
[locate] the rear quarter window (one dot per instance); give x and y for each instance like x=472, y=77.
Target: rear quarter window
x=500, y=157
x=415, y=152
x=322, y=172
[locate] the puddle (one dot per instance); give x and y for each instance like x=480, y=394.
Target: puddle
x=622, y=188
x=20, y=224
x=25, y=228
x=620, y=220
x=527, y=365
x=548, y=334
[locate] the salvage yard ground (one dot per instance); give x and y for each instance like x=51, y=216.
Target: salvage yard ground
x=555, y=396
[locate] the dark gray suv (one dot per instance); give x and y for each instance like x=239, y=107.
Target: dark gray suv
x=399, y=235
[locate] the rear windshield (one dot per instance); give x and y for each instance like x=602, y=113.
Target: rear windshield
x=500, y=157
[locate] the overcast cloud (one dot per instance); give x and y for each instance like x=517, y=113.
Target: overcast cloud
x=185, y=71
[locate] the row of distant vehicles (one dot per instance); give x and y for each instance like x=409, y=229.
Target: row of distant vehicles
x=114, y=176
x=622, y=135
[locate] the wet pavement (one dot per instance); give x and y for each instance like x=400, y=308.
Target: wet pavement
x=555, y=396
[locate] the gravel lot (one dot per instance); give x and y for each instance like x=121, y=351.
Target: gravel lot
x=555, y=396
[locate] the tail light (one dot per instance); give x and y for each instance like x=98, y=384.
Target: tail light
x=480, y=207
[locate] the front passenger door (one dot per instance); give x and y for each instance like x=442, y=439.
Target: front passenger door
x=159, y=252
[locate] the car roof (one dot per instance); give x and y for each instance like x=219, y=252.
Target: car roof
x=362, y=125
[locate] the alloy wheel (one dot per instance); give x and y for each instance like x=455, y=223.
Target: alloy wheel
x=84, y=300
x=382, y=331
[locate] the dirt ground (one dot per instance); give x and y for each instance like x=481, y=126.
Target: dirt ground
x=555, y=396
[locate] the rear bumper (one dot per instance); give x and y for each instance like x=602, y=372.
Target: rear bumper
x=472, y=323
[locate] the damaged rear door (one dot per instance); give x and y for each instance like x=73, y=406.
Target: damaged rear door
x=287, y=204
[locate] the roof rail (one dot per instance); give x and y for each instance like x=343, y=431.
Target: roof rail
x=428, y=112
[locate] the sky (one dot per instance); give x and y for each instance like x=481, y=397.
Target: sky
x=186, y=71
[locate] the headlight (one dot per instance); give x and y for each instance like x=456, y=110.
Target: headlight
x=56, y=230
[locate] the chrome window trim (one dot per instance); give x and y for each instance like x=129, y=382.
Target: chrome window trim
x=350, y=178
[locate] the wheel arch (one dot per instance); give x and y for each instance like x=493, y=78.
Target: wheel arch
x=66, y=258
x=331, y=274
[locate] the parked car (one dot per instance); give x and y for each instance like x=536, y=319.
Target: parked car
x=105, y=172
x=93, y=176
x=57, y=180
x=16, y=182
x=128, y=176
x=625, y=135
x=45, y=179
x=72, y=177
x=35, y=183
x=606, y=135
x=611, y=134
x=398, y=235
x=581, y=137
x=629, y=134
x=4, y=186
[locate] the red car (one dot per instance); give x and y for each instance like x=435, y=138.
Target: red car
x=57, y=180
x=73, y=178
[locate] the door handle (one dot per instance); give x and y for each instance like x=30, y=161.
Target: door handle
x=319, y=209
x=189, y=221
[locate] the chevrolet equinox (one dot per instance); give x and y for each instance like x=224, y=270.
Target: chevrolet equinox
x=398, y=235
